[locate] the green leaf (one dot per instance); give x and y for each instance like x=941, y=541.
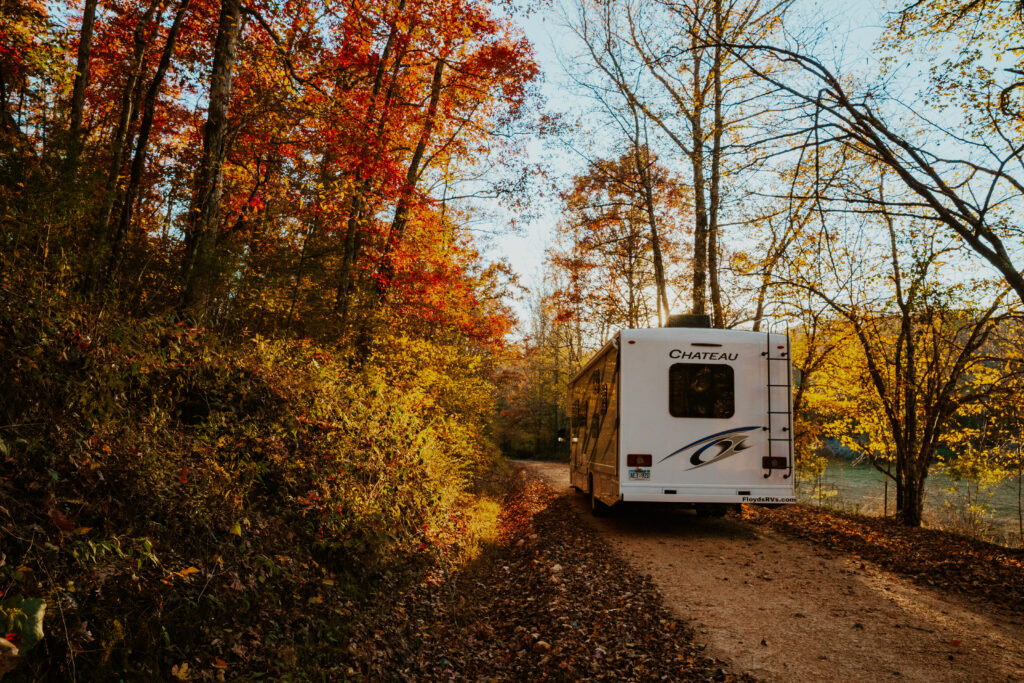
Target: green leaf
x=31, y=628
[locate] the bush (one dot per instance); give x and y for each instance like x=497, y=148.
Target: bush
x=176, y=496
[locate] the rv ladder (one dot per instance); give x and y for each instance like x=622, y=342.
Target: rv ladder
x=787, y=427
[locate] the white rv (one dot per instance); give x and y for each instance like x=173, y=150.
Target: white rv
x=690, y=415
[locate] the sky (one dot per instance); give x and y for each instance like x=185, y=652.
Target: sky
x=850, y=29
x=525, y=247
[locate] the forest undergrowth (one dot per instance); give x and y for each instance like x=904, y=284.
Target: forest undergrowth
x=177, y=503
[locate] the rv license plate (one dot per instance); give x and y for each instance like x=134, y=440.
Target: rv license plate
x=639, y=474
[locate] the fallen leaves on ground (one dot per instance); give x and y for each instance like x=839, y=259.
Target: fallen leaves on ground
x=552, y=602
x=930, y=557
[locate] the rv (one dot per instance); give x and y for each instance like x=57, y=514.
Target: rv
x=690, y=415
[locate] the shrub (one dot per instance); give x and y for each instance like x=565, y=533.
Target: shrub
x=174, y=494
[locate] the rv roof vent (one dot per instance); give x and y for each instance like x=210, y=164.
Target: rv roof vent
x=688, y=320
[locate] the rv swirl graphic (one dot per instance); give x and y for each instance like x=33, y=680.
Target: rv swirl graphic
x=715, y=447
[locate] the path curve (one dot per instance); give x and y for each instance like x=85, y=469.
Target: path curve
x=783, y=609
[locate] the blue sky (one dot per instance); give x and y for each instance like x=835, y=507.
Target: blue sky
x=525, y=248
x=850, y=30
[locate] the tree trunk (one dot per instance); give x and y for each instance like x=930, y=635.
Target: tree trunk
x=351, y=245
x=643, y=171
x=348, y=257
x=700, y=213
x=145, y=126
x=386, y=272
x=126, y=118
x=81, y=83
x=762, y=293
x=199, y=271
x=718, y=314
x=910, y=506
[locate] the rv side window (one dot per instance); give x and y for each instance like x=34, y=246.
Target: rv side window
x=701, y=390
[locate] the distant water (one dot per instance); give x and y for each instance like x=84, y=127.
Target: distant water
x=860, y=488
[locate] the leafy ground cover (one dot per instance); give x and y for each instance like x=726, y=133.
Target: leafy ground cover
x=551, y=601
x=179, y=504
x=928, y=556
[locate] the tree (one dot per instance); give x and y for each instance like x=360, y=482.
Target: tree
x=81, y=81
x=664, y=62
x=334, y=144
x=200, y=270
x=142, y=143
x=607, y=251
x=532, y=402
x=99, y=241
x=922, y=354
x=957, y=173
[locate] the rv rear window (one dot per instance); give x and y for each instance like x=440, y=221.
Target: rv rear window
x=701, y=390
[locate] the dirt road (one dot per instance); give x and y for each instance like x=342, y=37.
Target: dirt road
x=783, y=609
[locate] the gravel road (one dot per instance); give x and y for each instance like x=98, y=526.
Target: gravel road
x=783, y=609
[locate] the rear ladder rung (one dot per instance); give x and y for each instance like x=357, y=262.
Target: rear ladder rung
x=788, y=429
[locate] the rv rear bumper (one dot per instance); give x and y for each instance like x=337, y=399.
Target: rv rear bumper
x=666, y=493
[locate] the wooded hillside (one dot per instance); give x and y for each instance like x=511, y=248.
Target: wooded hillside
x=248, y=343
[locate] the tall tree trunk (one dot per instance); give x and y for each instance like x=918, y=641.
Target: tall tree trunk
x=911, y=509
x=700, y=212
x=762, y=293
x=199, y=271
x=386, y=272
x=81, y=83
x=315, y=228
x=348, y=256
x=357, y=205
x=128, y=112
x=8, y=123
x=776, y=250
x=643, y=171
x=700, y=235
x=718, y=314
x=145, y=126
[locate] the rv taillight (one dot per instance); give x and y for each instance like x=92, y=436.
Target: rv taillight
x=774, y=463
x=638, y=460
